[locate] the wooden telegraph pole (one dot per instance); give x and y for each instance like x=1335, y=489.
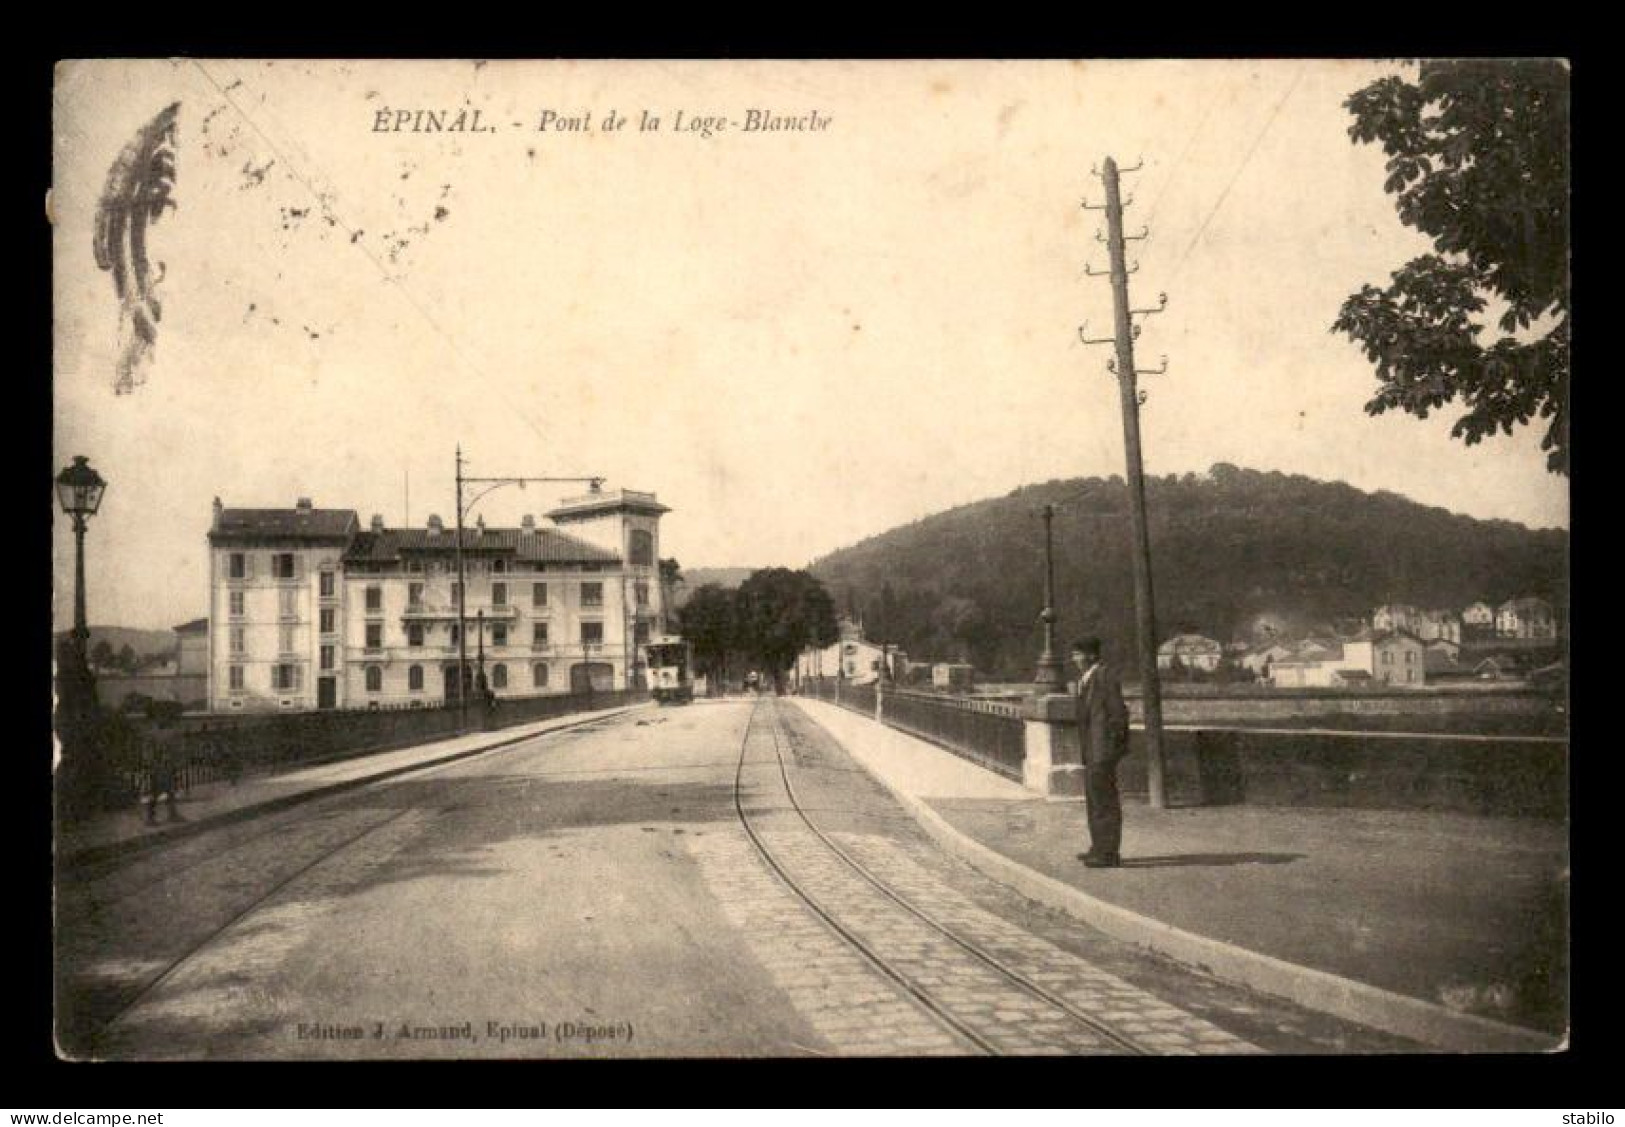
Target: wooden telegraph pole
x=1123, y=367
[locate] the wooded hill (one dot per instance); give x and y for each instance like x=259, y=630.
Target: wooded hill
x=1229, y=547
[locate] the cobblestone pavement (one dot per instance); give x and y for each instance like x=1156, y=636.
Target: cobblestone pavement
x=1008, y=1017
x=1165, y=1005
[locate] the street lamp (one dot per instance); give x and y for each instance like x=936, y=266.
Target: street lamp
x=79, y=490
x=1049, y=678
x=463, y=509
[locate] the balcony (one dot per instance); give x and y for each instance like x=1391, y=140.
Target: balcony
x=424, y=612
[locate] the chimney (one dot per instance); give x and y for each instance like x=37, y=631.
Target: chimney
x=377, y=522
x=479, y=525
x=435, y=527
x=304, y=505
x=218, y=509
x=528, y=523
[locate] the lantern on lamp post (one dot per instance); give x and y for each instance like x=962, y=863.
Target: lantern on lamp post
x=79, y=490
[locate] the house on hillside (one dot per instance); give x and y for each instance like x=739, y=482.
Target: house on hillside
x=1479, y=615
x=1527, y=617
x=1441, y=659
x=1190, y=651
x=1394, y=616
x=1439, y=624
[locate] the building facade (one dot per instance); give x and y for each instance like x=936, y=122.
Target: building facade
x=1525, y=618
x=1191, y=651
x=310, y=611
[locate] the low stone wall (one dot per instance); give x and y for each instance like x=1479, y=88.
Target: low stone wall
x=1518, y=776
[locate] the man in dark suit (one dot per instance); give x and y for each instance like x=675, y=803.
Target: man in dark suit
x=1103, y=738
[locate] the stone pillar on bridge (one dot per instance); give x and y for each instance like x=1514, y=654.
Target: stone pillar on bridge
x=1053, y=762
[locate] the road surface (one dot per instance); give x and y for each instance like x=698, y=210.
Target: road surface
x=719, y=879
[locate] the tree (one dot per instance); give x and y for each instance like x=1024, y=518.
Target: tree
x=782, y=612
x=101, y=654
x=126, y=658
x=709, y=621
x=1478, y=159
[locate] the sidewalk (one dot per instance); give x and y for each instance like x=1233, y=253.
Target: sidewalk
x=1449, y=929
x=216, y=803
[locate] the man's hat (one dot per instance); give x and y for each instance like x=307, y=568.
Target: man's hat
x=1089, y=646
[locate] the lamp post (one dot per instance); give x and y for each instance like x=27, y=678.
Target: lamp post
x=463, y=509
x=79, y=490
x=1049, y=678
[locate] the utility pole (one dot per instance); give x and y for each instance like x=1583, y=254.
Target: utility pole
x=595, y=483
x=1132, y=397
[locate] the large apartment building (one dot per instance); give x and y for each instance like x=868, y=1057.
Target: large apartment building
x=310, y=610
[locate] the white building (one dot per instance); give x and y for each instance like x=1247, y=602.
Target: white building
x=310, y=611
x=1192, y=651
x=1525, y=618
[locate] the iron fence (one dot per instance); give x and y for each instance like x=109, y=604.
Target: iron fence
x=991, y=734
x=230, y=749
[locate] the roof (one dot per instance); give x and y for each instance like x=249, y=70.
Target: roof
x=601, y=502
x=1195, y=642
x=1527, y=602
x=196, y=626
x=284, y=524
x=1390, y=636
x=543, y=545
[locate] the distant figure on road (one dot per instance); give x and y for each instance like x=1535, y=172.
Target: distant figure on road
x=1103, y=737
x=162, y=768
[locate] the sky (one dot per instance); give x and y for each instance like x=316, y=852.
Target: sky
x=797, y=339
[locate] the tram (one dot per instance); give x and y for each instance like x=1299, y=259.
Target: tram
x=670, y=661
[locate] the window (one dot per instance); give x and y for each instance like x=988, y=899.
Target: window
x=456, y=593
x=538, y=634
x=499, y=566
x=414, y=633
x=375, y=635
x=1388, y=657
x=375, y=679
x=237, y=565
x=239, y=640
x=235, y=678
x=327, y=658
x=499, y=634
x=499, y=676
x=414, y=678
x=499, y=594
x=284, y=639
x=375, y=598
x=329, y=619
x=643, y=547
x=282, y=565
x=592, y=633
x=287, y=602
x=640, y=591
x=327, y=584
x=538, y=594
x=285, y=677
x=538, y=675
x=456, y=633
x=640, y=633
x=1410, y=657
x=236, y=600
x=414, y=595
x=592, y=594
